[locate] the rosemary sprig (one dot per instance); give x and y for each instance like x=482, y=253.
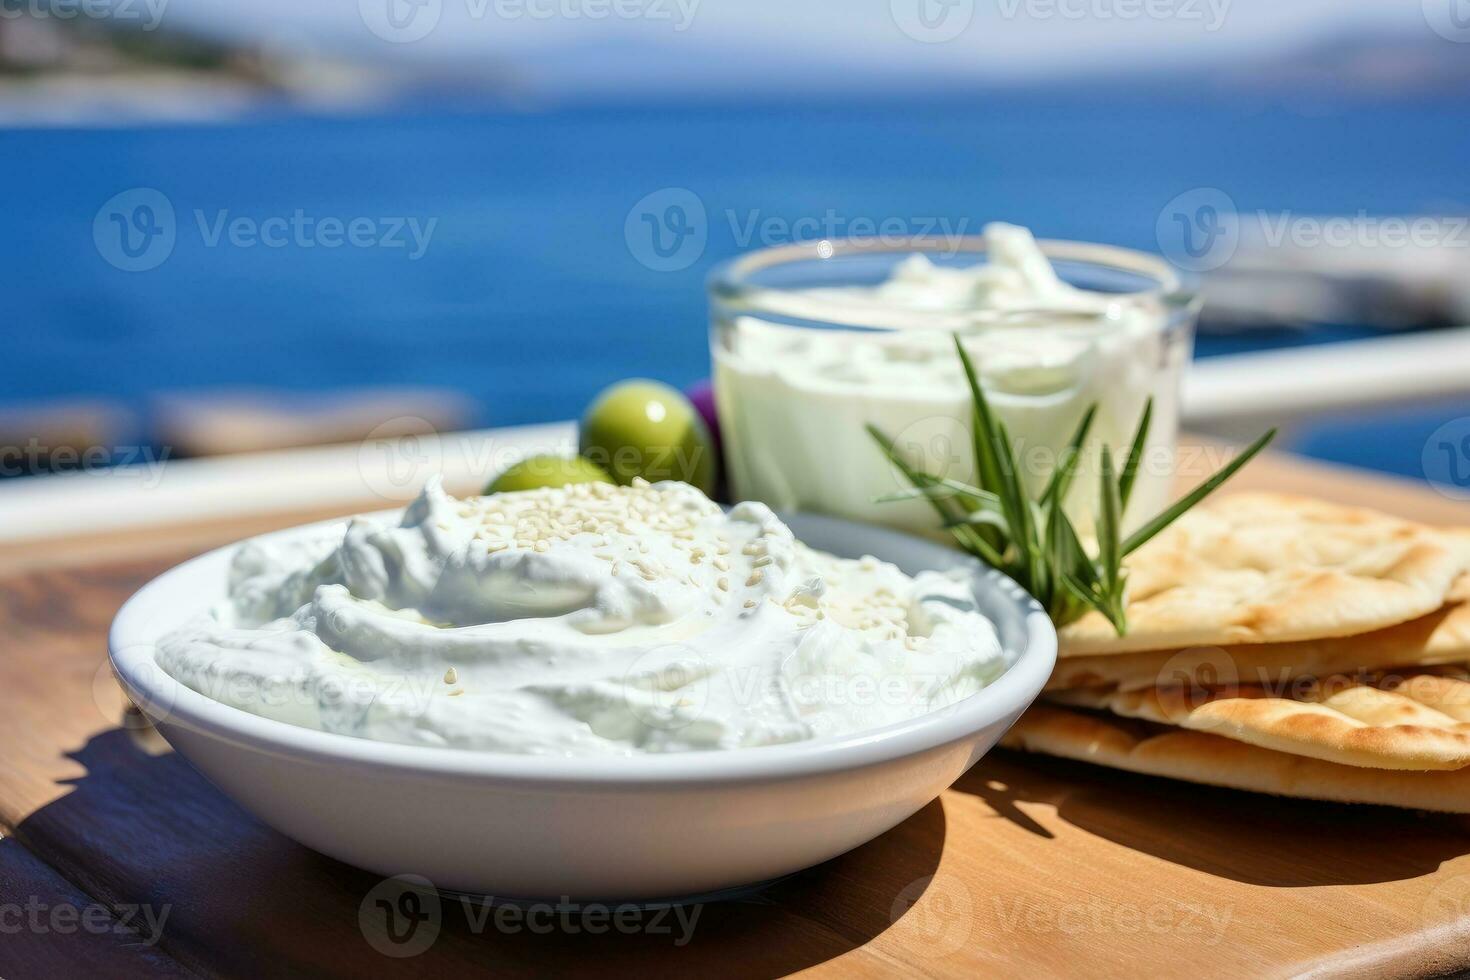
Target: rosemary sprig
x=1033, y=541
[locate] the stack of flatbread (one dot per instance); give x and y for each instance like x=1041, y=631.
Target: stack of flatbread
x=1283, y=645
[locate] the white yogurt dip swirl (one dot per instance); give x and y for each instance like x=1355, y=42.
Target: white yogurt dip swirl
x=589, y=620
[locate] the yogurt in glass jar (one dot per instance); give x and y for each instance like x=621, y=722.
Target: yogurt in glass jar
x=813, y=342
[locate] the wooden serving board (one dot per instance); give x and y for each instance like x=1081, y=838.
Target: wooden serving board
x=1027, y=867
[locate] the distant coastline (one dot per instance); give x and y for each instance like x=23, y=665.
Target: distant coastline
x=75, y=73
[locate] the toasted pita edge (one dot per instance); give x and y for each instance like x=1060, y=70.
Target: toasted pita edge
x=1309, y=603
x=1423, y=739
x=1212, y=760
x=1442, y=637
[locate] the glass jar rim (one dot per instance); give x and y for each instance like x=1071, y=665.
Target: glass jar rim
x=730, y=283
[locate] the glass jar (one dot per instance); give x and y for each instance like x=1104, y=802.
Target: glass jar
x=809, y=348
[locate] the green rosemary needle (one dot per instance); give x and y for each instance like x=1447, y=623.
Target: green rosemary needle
x=1032, y=540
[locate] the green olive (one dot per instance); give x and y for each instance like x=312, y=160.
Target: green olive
x=535, y=472
x=644, y=428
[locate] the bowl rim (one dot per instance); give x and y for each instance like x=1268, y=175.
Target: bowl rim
x=131, y=647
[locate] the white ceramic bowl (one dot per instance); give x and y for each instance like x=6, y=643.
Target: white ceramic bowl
x=643, y=828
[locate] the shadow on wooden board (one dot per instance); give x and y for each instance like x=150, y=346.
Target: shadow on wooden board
x=143, y=829
x=1247, y=837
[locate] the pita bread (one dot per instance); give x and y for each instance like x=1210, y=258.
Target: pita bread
x=1442, y=637
x=1337, y=720
x=1445, y=693
x=1197, y=757
x=1274, y=568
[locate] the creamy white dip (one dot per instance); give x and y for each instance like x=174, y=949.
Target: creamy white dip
x=590, y=620
x=794, y=401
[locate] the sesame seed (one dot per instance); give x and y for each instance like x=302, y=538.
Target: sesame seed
x=451, y=676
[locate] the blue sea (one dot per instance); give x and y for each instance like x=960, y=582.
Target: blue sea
x=503, y=253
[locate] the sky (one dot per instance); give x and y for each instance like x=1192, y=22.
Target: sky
x=959, y=38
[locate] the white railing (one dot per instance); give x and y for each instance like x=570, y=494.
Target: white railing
x=1235, y=396
x=1232, y=397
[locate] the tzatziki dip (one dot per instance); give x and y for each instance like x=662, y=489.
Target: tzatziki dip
x=800, y=370
x=587, y=620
